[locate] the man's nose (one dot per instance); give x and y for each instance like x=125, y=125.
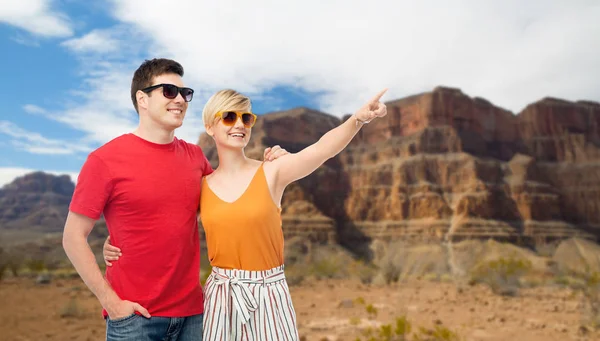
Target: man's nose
x=179, y=98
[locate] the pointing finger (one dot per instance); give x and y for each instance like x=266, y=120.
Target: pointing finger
x=378, y=96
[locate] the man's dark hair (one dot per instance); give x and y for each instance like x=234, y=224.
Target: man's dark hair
x=144, y=75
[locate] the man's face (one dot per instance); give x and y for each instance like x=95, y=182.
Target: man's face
x=165, y=112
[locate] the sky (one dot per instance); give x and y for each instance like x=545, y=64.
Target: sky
x=67, y=65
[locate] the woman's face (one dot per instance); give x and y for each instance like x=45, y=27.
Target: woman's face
x=229, y=129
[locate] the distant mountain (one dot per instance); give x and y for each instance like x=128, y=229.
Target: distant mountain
x=33, y=209
x=36, y=202
x=440, y=166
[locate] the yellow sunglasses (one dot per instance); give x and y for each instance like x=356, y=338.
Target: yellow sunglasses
x=230, y=117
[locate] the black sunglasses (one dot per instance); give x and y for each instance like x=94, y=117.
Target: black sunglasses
x=170, y=91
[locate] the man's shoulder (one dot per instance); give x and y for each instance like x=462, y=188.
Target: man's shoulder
x=109, y=148
x=189, y=146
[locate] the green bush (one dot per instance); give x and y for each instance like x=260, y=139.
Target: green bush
x=391, y=272
x=389, y=332
x=36, y=265
x=401, y=329
x=371, y=311
x=438, y=333
x=366, y=272
x=591, y=300
x=13, y=261
x=502, y=275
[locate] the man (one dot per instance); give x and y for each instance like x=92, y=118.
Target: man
x=147, y=185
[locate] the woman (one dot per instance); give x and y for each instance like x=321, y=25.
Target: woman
x=247, y=297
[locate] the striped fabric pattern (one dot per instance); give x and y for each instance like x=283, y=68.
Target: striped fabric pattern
x=249, y=306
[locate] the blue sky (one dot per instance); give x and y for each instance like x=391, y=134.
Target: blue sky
x=67, y=64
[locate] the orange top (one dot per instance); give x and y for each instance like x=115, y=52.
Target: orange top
x=245, y=234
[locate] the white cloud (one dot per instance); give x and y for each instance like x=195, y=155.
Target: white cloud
x=35, y=143
x=8, y=175
x=102, y=107
x=105, y=110
x=33, y=109
x=96, y=41
x=36, y=17
x=510, y=52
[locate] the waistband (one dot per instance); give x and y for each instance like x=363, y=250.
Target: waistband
x=249, y=277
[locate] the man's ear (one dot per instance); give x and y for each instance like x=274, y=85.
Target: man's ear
x=142, y=99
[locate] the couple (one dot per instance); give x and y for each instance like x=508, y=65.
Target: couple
x=148, y=185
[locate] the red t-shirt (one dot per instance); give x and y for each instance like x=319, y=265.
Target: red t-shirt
x=149, y=194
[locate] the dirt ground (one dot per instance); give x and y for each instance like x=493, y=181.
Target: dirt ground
x=332, y=310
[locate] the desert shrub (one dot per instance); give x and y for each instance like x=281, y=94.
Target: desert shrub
x=371, y=311
x=36, y=265
x=13, y=261
x=327, y=263
x=437, y=333
x=502, y=275
x=590, y=288
x=295, y=274
x=66, y=273
x=389, y=332
x=355, y=321
x=365, y=272
x=326, y=268
x=401, y=330
x=391, y=271
x=3, y=263
x=3, y=268
x=399, y=261
x=390, y=262
x=71, y=309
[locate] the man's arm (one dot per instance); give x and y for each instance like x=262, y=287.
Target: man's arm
x=76, y=232
x=274, y=153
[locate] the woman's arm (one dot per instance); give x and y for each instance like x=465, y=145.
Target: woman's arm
x=296, y=166
x=110, y=252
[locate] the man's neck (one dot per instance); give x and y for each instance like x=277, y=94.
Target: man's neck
x=155, y=135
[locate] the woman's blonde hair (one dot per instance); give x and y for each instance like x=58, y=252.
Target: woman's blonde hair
x=224, y=100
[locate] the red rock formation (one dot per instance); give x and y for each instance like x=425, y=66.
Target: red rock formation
x=444, y=165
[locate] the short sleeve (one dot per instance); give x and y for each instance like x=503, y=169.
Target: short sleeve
x=207, y=167
x=93, y=188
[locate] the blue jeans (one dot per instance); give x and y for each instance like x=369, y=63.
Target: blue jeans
x=138, y=328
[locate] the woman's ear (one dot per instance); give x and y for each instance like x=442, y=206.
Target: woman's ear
x=209, y=131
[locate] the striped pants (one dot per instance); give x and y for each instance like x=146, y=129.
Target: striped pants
x=248, y=305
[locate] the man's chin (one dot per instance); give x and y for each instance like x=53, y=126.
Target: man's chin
x=175, y=124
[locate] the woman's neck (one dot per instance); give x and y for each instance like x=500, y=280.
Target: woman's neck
x=231, y=160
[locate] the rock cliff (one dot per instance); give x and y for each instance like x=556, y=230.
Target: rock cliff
x=442, y=165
